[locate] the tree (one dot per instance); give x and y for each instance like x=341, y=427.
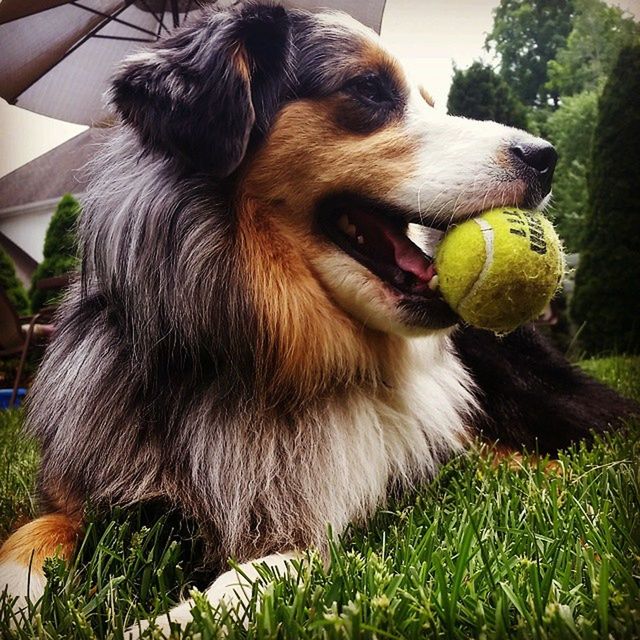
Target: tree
x=598, y=34
x=60, y=250
x=526, y=35
x=606, y=300
x=570, y=129
x=480, y=93
x=12, y=286
x=577, y=75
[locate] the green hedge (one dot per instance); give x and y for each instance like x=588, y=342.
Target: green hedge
x=12, y=286
x=60, y=250
x=480, y=93
x=606, y=303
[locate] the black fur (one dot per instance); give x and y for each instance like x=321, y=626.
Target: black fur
x=155, y=386
x=531, y=395
x=196, y=76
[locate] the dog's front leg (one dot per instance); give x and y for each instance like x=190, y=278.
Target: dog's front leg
x=233, y=589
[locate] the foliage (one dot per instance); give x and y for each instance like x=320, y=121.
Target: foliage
x=478, y=92
x=606, y=297
x=18, y=298
x=19, y=462
x=537, y=118
x=12, y=286
x=570, y=128
x=599, y=32
x=621, y=373
x=577, y=76
x=60, y=250
x=17, y=295
x=526, y=35
x=522, y=549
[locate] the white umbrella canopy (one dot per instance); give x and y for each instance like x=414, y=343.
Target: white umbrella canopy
x=56, y=56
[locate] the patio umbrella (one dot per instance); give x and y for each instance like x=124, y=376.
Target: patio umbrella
x=57, y=55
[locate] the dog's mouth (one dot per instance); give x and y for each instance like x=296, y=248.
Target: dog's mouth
x=381, y=240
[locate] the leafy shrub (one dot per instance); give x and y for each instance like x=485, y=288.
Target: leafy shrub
x=570, y=129
x=480, y=93
x=18, y=298
x=12, y=286
x=60, y=250
x=606, y=300
x=599, y=32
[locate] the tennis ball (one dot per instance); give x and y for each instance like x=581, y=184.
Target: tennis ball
x=500, y=269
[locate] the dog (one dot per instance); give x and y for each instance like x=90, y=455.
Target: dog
x=255, y=339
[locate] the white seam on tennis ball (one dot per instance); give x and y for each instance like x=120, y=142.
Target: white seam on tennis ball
x=487, y=235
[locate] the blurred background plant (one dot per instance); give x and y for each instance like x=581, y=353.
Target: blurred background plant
x=567, y=65
x=606, y=300
x=12, y=286
x=479, y=92
x=19, y=300
x=60, y=251
x=60, y=259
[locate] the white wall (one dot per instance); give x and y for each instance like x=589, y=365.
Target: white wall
x=26, y=225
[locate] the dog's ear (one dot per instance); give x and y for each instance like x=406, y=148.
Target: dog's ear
x=199, y=94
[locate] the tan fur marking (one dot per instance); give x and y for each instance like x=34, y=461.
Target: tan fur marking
x=517, y=460
x=308, y=155
x=308, y=341
x=239, y=60
x=49, y=535
x=375, y=57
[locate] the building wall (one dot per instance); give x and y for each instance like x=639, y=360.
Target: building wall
x=22, y=232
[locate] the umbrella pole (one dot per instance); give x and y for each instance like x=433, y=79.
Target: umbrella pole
x=175, y=13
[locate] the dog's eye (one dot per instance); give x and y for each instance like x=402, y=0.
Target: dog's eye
x=370, y=89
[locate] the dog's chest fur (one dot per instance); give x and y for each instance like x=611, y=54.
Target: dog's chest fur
x=257, y=479
x=334, y=462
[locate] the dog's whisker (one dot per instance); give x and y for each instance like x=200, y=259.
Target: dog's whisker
x=255, y=340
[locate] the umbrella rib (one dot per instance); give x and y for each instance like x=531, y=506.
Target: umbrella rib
x=161, y=24
x=159, y=18
x=100, y=36
x=111, y=18
x=70, y=50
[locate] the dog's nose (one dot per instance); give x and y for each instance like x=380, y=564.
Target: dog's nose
x=541, y=158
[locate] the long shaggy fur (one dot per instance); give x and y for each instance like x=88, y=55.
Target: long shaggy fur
x=146, y=395
x=194, y=364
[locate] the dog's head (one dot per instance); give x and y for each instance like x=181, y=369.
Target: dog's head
x=334, y=162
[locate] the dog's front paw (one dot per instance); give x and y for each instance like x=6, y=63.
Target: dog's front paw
x=224, y=597
x=158, y=628
x=228, y=597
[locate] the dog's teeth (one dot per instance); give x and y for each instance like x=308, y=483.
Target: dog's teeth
x=346, y=227
x=433, y=283
x=360, y=240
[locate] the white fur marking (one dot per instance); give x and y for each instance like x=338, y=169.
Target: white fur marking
x=233, y=589
x=460, y=167
x=22, y=583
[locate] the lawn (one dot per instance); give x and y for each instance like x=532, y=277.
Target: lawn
x=516, y=549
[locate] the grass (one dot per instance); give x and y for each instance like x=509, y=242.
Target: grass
x=538, y=549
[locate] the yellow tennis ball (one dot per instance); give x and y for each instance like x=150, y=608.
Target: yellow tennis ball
x=500, y=269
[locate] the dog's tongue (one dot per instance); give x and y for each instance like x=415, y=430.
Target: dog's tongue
x=383, y=240
x=409, y=258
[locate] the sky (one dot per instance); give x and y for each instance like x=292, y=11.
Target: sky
x=428, y=35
